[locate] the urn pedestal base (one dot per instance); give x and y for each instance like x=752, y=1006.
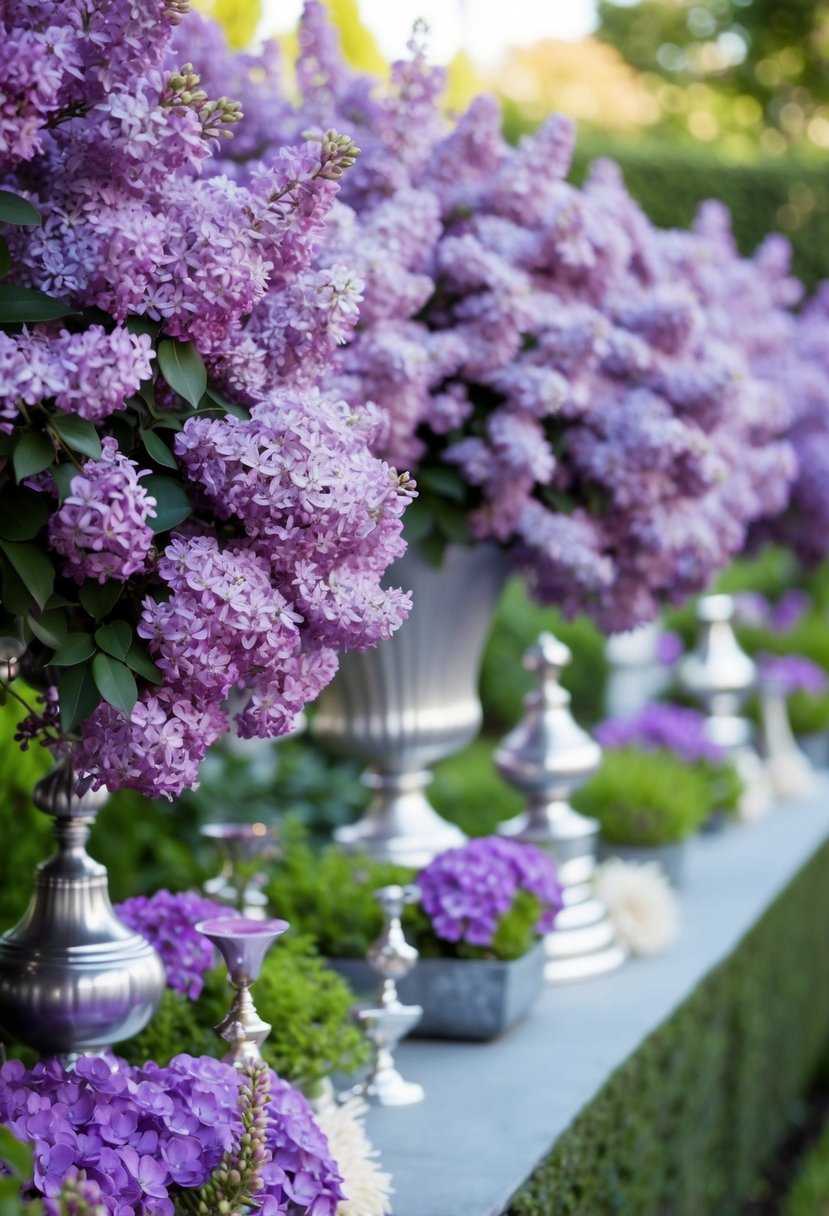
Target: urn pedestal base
x=400, y=825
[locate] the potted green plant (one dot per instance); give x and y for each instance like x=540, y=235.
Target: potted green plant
x=649, y=803
x=484, y=908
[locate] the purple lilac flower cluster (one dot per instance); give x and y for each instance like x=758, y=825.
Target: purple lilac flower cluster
x=139, y=1135
x=544, y=341
x=167, y=921
x=283, y=521
x=467, y=891
x=790, y=673
x=663, y=725
x=755, y=609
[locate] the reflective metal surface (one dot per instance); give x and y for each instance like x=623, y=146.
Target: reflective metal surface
x=635, y=676
x=790, y=769
x=546, y=757
x=414, y=699
x=243, y=944
x=73, y=977
x=386, y=1021
x=244, y=849
x=720, y=675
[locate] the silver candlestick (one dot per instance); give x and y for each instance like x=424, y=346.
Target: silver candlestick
x=789, y=768
x=73, y=977
x=387, y=1021
x=720, y=675
x=243, y=944
x=546, y=757
x=244, y=848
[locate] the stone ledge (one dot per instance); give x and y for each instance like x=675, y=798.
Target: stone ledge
x=494, y=1111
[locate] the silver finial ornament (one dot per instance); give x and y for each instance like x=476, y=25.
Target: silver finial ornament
x=548, y=756
x=789, y=768
x=243, y=944
x=73, y=977
x=244, y=849
x=387, y=1021
x=720, y=675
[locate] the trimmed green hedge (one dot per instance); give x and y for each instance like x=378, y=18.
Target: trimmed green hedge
x=682, y=1128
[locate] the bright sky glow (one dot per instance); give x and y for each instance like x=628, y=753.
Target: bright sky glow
x=483, y=28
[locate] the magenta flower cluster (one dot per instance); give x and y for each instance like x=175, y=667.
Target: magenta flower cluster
x=167, y=921
x=546, y=343
x=466, y=892
x=140, y=1135
x=662, y=725
x=256, y=551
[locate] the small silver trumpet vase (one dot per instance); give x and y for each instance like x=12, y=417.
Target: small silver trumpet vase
x=73, y=977
x=413, y=699
x=244, y=848
x=547, y=756
x=387, y=1021
x=720, y=675
x=243, y=944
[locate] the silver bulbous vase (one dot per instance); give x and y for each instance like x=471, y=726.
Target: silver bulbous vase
x=73, y=977
x=413, y=700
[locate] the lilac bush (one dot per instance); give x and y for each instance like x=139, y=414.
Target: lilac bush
x=183, y=512
x=468, y=892
x=673, y=728
x=790, y=673
x=158, y=1141
x=543, y=356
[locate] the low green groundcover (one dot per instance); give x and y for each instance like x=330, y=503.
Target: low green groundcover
x=809, y=1195
x=682, y=1128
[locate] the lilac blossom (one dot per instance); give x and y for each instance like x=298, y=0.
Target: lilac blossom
x=661, y=725
x=167, y=921
x=566, y=357
x=467, y=891
x=141, y=1135
x=790, y=673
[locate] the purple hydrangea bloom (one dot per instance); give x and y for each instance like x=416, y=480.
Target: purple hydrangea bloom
x=467, y=891
x=662, y=725
x=167, y=922
x=140, y=1134
x=789, y=673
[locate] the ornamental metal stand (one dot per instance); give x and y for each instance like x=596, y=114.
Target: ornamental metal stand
x=547, y=756
x=73, y=977
x=387, y=1021
x=244, y=849
x=720, y=675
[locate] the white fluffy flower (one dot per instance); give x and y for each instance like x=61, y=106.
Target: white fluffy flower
x=367, y=1187
x=641, y=904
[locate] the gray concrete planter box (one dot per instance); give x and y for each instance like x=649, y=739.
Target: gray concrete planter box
x=461, y=998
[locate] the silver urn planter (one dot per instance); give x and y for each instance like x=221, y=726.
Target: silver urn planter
x=413, y=700
x=73, y=977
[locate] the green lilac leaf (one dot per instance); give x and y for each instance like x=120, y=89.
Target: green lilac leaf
x=78, y=434
x=115, y=682
x=418, y=522
x=75, y=648
x=5, y=257
x=229, y=407
x=143, y=325
x=139, y=660
x=78, y=695
x=115, y=638
x=171, y=503
x=157, y=449
x=16, y=1155
x=34, y=568
x=24, y=513
x=16, y=598
x=444, y=482
x=18, y=211
x=183, y=368
x=32, y=453
x=50, y=628
x=20, y=305
x=62, y=475
x=98, y=598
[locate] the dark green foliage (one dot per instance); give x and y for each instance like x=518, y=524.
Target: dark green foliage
x=809, y=1195
x=682, y=1128
x=645, y=797
x=468, y=791
x=306, y=1004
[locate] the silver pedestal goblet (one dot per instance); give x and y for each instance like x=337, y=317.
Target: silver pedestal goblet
x=244, y=848
x=547, y=756
x=387, y=1020
x=243, y=944
x=73, y=977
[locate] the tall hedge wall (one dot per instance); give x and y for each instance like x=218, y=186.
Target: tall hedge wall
x=682, y=1128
